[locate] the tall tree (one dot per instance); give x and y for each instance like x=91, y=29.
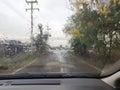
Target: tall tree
x=41, y=40
x=96, y=25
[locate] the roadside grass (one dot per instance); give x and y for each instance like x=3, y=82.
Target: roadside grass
x=115, y=56
x=11, y=64
x=98, y=61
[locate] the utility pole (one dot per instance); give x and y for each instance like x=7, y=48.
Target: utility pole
x=32, y=2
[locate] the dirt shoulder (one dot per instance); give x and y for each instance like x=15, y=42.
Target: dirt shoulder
x=96, y=61
x=12, y=64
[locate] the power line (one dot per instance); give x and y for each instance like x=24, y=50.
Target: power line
x=10, y=6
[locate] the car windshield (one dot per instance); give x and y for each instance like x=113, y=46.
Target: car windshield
x=74, y=37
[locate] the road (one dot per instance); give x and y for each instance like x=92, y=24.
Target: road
x=59, y=61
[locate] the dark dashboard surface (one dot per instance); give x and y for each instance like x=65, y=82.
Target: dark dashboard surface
x=54, y=84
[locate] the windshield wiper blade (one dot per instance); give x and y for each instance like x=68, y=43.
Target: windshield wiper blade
x=30, y=76
x=47, y=75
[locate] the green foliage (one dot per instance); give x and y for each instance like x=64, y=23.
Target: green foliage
x=41, y=43
x=78, y=47
x=99, y=27
x=11, y=64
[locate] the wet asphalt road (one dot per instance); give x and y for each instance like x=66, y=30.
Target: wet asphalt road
x=59, y=61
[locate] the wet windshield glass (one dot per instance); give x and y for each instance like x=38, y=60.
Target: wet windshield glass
x=59, y=36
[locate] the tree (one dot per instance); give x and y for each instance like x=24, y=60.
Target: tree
x=95, y=25
x=109, y=25
x=41, y=40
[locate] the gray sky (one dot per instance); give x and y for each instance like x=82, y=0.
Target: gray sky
x=14, y=20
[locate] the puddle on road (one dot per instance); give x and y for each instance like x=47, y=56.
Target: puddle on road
x=57, y=67
x=60, y=64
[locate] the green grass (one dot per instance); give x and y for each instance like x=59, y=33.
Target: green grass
x=9, y=65
x=99, y=63
x=96, y=61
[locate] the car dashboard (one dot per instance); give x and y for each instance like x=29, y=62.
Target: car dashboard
x=54, y=84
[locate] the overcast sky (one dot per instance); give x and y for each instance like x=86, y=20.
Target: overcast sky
x=15, y=21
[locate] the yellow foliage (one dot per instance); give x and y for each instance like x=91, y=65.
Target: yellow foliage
x=77, y=4
x=75, y=32
x=116, y=1
x=99, y=6
x=81, y=1
x=104, y=9
x=119, y=2
x=89, y=23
